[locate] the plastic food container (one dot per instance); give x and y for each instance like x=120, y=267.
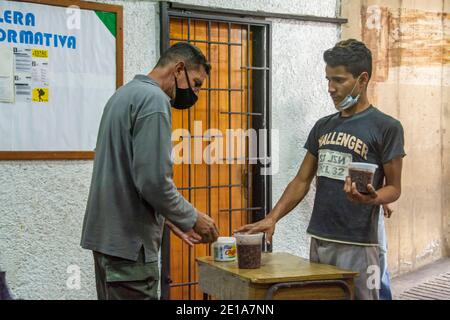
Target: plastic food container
x=362, y=174
x=249, y=250
x=225, y=249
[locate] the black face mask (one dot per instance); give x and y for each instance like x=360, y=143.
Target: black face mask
x=184, y=98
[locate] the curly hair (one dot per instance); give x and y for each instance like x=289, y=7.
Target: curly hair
x=352, y=54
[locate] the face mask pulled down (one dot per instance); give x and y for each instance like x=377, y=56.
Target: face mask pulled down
x=349, y=101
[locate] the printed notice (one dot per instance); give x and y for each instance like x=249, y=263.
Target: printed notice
x=22, y=83
x=6, y=75
x=333, y=164
x=39, y=75
x=22, y=74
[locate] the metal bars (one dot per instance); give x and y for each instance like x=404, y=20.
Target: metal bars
x=247, y=70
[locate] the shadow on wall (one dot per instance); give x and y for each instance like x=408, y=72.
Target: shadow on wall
x=4, y=291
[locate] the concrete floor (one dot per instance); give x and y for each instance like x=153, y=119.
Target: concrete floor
x=429, y=282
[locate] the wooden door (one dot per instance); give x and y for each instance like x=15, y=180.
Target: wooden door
x=223, y=189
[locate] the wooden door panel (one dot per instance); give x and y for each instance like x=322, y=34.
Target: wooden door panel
x=225, y=200
x=177, y=248
x=199, y=171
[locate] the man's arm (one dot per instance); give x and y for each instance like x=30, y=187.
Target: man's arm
x=296, y=190
x=153, y=171
x=387, y=194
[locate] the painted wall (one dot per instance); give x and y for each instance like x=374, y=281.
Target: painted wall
x=43, y=202
x=299, y=99
x=410, y=42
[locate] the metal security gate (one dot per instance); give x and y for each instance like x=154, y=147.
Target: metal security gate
x=232, y=190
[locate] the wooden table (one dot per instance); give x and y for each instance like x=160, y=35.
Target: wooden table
x=281, y=276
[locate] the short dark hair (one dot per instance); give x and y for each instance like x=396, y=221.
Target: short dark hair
x=352, y=54
x=190, y=54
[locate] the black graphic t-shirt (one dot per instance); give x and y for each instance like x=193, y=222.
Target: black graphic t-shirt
x=369, y=136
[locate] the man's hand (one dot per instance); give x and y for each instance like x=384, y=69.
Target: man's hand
x=206, y=228
x=387, y=210
x=189, y=237
x=266, y=225
x=354, y=196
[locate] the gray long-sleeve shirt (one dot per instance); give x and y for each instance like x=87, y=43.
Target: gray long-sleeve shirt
x=132, y=188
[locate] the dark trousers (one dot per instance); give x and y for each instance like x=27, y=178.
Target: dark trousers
x=121, y=279
x=4, y=291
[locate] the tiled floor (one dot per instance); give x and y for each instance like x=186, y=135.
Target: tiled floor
x=431, y=282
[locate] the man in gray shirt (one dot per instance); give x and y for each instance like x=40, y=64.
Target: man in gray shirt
x=132, y=191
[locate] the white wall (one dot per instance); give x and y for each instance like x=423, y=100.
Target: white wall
x=43, y=202
x=299, y=99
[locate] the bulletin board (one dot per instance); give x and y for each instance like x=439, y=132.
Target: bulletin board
x=60, y=62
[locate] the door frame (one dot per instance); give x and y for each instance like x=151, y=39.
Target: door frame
x=167, y=11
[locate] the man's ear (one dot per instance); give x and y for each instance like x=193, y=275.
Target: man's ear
x=179, y=67
x=364, y=78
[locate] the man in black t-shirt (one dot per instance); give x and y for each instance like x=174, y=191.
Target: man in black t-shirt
x=343, y=225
